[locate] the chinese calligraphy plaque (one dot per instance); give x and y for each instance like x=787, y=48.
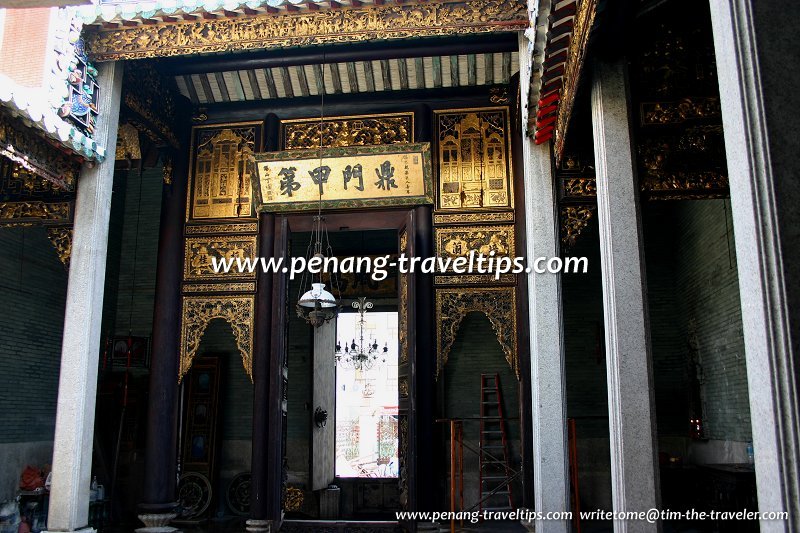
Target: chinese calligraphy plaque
x=344, y=177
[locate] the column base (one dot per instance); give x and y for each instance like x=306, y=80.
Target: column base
x=259, y=526
x=157, y=523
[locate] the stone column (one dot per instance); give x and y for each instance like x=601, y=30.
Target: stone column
x=760, y=111
x=549, y=409
x=631, y=409
x=80, y=351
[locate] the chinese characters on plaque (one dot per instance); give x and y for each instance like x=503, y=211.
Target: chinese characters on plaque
x=360, y=176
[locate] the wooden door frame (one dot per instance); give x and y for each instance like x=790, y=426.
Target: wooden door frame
x=423, y=395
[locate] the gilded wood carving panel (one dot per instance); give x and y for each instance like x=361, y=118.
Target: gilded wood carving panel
x=199, y=311
x=367, y=130
x=222, y=170
x=474, y=158
x=200, y=253
x=35, y=212
x=497, y=303
x=460, y=241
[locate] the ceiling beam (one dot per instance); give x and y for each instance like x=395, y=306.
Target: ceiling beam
x=339, y=54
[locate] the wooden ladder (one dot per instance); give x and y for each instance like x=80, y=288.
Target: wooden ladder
x=495, y=470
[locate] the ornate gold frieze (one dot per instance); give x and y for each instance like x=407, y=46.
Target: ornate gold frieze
x=25, y=148
x=497, y=303
x=205, y=229
x=685, y=185
x=475, y=279
x=199, y=311
x=461, y=240
x=308, y=28
x=472, y=218
x=579, y=187
x=201, y=252
x=61, y=239
x=474, y=158
x=195, y=288
x=222, y=178
x=690, y=163
x=576, y=54
x=366, y=130
x=27, y=213
x=128, y=147
x=678, y=112
x=574, y=219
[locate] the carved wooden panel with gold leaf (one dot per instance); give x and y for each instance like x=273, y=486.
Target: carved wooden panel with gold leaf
x=474, y=158
x=222, y=170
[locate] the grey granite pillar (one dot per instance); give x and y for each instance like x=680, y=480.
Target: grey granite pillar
x=754, y=43
x=631, y=409
x=549, y=409
x=77, y=388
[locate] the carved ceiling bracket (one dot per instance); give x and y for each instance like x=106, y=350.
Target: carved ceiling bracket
x=577, y=198
x=574, y=219
x=61, y=239
x=199, y=311
x=499, y=306
x=149, y=104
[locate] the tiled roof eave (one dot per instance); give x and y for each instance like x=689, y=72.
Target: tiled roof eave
x=176, y=10
x=34, y=112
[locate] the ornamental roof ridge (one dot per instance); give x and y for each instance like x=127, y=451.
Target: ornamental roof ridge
x=174, y=10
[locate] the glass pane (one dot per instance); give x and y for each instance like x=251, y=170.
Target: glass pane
x=366, y=399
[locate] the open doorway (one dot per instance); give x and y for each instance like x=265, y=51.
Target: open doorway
x=363, y=407
x=366, y=394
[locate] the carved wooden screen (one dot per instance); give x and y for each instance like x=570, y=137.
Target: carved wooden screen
x=221, y=181
x=474, y=158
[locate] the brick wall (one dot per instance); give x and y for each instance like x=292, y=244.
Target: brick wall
x=136, y=254
x=236, y=390
x=475, y=352
x=668, y=344
x=24, y=45
x=34, y=287
x=710, y=310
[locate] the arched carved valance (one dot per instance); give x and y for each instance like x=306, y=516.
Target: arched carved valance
x=199, y=311
x=499, y=306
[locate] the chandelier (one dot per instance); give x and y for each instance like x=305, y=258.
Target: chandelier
x=361, y=356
